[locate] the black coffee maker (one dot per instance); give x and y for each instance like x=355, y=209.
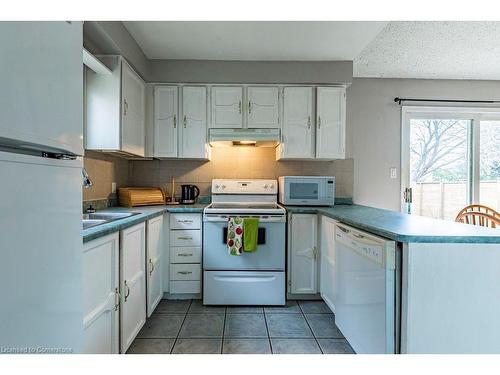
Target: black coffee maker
x=189, y=193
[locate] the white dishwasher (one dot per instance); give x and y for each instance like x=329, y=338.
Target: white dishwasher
x=365, y=308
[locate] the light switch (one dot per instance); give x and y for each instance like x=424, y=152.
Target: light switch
x=394, y=173
x=113, y=188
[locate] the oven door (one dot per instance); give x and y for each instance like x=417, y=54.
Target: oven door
x=270, y=253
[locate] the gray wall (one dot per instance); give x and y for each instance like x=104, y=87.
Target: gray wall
x=208, y=71
x=374, y=129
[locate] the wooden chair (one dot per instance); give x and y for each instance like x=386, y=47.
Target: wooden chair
x=477, y=214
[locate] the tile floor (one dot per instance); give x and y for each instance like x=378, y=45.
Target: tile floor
x=188, y=327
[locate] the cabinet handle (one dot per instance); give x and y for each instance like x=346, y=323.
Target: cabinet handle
x=125, y=107
x=185, y=238
x=152, y=268
x=239, y=106
x=117, y=299
x=315, y=253
x=185, y=121
x=184, y=272
x=184, y=221
x=308, y=122
x=185, y=255
x=175, y=121
x=319, y=122
x=127, y=290
x=249, y=107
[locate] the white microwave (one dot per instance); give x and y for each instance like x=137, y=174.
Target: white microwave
x=307, y=190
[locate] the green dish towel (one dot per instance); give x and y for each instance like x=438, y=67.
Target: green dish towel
x=250, y=234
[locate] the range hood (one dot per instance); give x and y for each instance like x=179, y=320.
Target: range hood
x=244, y=137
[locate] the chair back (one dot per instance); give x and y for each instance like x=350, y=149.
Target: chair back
x=478, y=208
x=479, y=218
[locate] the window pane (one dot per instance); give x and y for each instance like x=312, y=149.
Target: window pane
x=489, y=167
x=438, y=167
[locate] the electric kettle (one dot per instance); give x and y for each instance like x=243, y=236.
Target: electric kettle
x=189, y=193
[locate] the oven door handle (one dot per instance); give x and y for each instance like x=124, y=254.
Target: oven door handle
x=262, y=219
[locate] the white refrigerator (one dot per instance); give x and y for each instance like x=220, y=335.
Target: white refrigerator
x=41, y=144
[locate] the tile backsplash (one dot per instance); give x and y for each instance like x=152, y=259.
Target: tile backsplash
x=235, y=162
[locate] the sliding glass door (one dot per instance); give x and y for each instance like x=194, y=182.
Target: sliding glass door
x=450, y=159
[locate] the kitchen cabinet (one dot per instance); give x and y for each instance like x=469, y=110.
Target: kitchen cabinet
x=227, y=107
x=330, y=122
x=298, y=135
x=166, y=121
x=154, y=258
x=133, y=283
x=303, y=254
x=193, y=130
x=328, y=283
x=262, y=107
x=115, y=109
x=101, y=297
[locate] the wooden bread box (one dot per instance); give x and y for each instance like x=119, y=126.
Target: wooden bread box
x=132, y=196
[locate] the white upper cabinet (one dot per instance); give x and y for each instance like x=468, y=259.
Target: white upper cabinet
x=227, y=107
x=115, y=109
x=304, y=254
x=298, y=128
x=166, y=121
x=262, y=107
x=330, y=123
x=193, y=126
x=133, y=111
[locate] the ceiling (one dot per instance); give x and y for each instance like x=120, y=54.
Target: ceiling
x=253, y=40
x=444, y=50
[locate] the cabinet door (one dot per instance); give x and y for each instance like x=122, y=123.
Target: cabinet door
x=133, y=111
x=328, y=284
x=262, y=107
x=330, y=123
x=304, y=268
x=101, y=298
x=154, y=257
x=166, y=116
x=227, y=107
x=298, y=132
x=133, y=283
x=193, y=132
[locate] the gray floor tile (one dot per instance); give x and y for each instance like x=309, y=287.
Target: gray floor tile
x=151, y=346
x=246, y=346
x=314, y=307
x=288, y=325
x=197, y=346
x=167, y=306
x=197, y=307
x=291, y=308
x=202, y=326
x=162, y=326
x=245, y=325
x=335, y=346
x=245, y=310
x=323, y=325
x=295, y=346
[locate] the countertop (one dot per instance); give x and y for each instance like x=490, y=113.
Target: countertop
x=146, y=212
x=402, y=227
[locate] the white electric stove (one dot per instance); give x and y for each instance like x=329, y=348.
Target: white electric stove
x=256, y=278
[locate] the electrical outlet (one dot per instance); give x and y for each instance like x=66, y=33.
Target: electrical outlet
x=394, y=173
x=113, y=188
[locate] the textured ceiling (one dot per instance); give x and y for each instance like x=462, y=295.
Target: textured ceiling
x=444, y=50
x=253, y=40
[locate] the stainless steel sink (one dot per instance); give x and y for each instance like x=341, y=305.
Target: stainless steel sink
x=98, y=218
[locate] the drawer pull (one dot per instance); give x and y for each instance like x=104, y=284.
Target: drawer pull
x=185, y=255
x=184, y=221
x=185, y=238
x=184, y=272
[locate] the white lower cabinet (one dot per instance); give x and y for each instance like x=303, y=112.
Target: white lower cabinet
x=101, y=295
x=303, y=254
x=133, y=283
x=328, y=284
x=154, y=258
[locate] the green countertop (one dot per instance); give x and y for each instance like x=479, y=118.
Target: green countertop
x=402, y=227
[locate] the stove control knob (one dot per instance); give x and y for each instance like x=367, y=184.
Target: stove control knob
x=217, y=187
x=271, y=186
x=223, y=186
x=266, y=186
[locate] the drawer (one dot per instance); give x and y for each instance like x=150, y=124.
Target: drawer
x=185, y=255
x=184, y=238
x=177, y=287
x=185, y=221
x=185, y=272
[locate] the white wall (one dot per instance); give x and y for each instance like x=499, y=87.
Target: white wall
x=374, y=123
